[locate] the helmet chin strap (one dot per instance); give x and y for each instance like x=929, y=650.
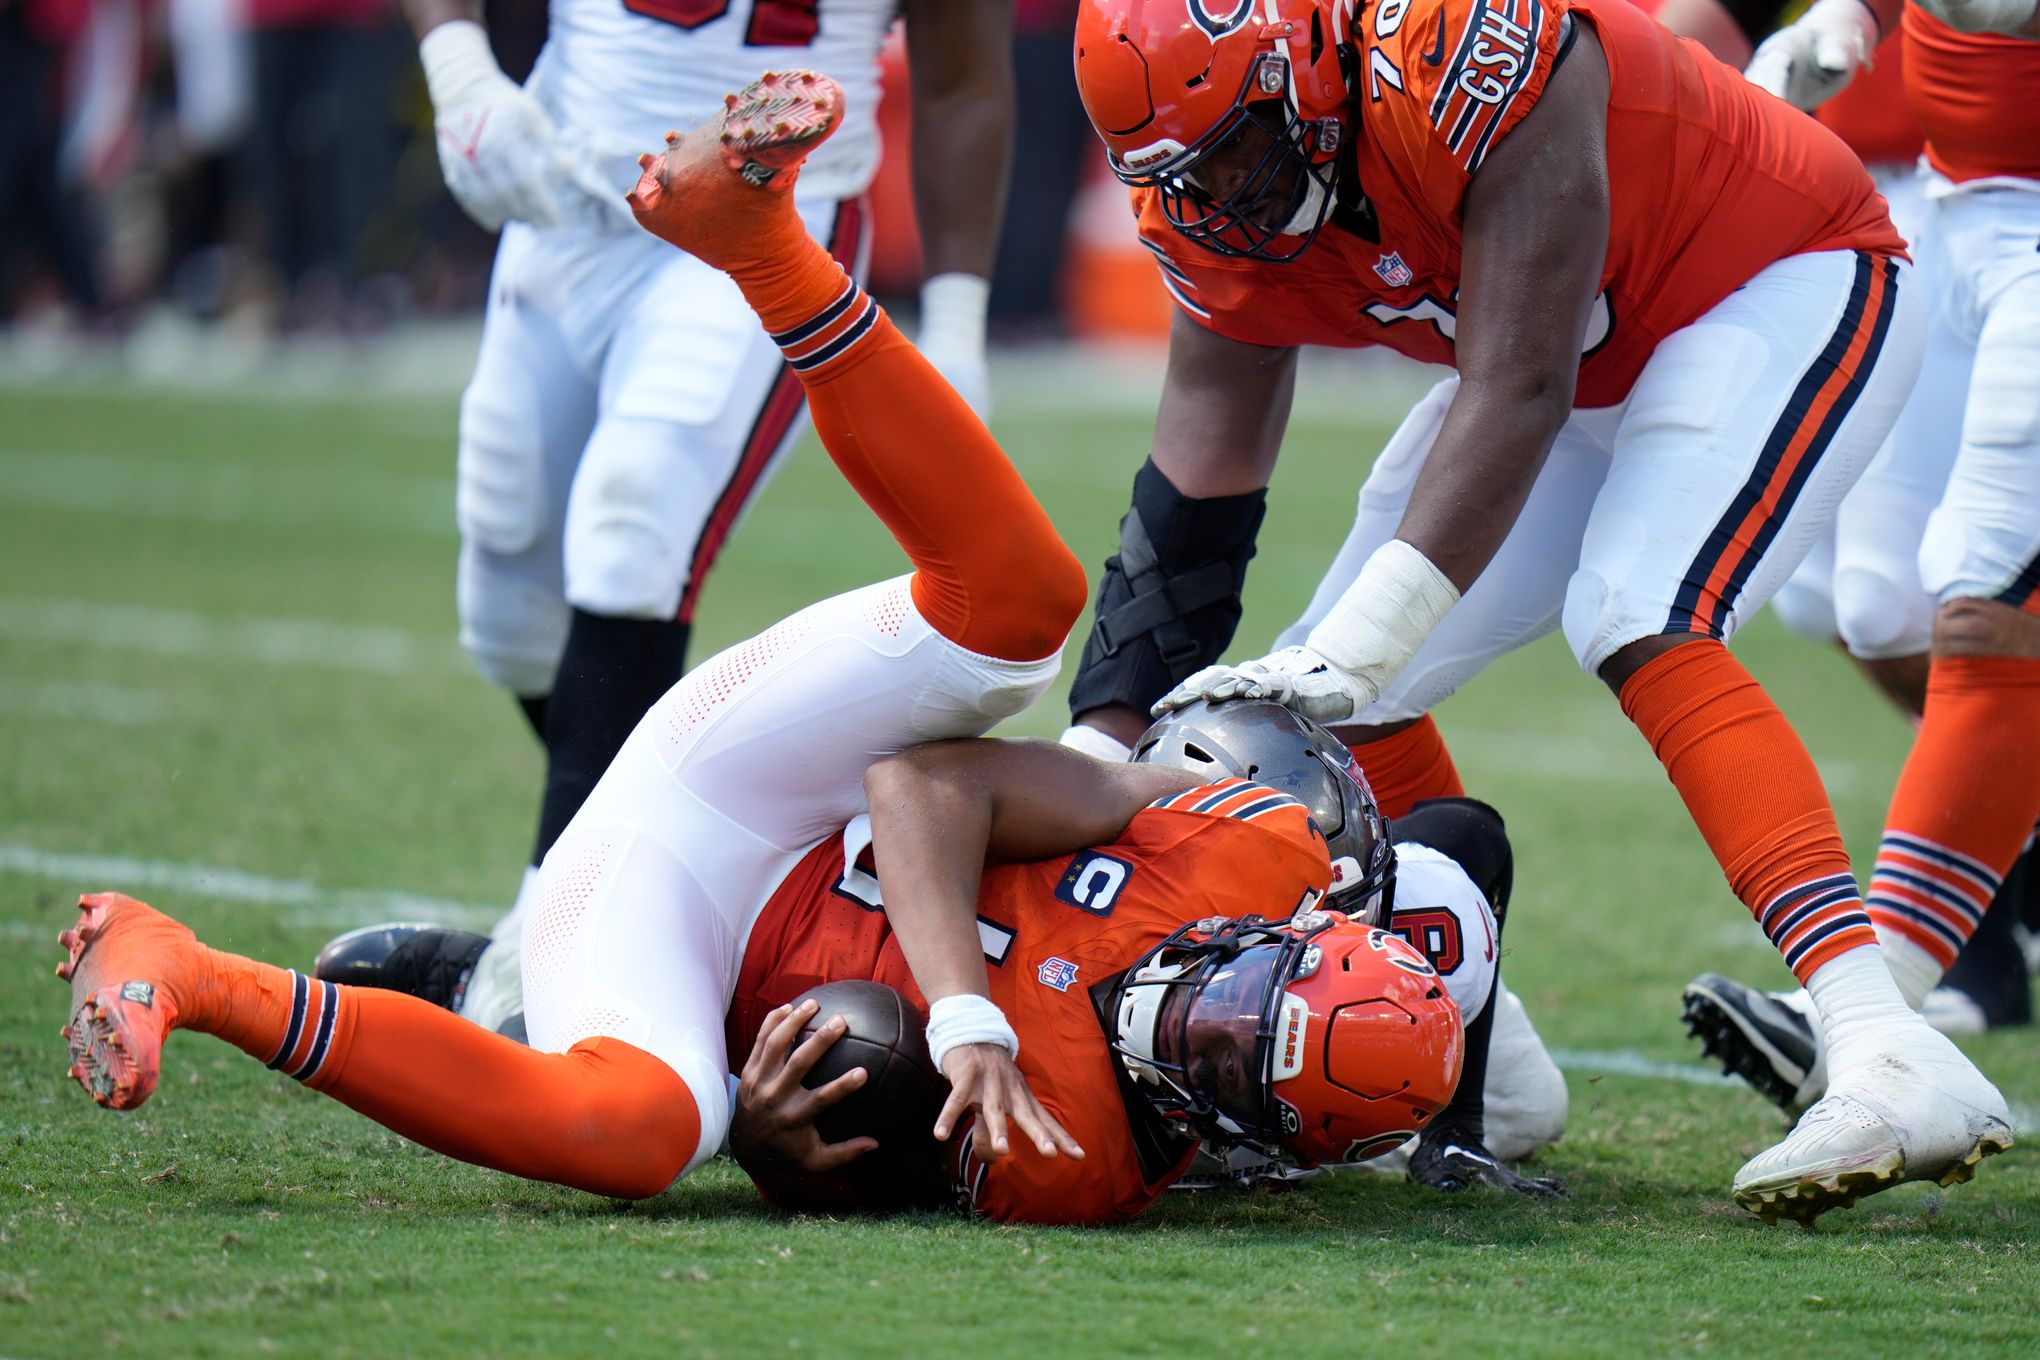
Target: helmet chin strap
x=1309, y=212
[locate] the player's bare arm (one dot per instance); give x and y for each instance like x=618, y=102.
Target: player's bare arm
x=1225, y=405
x=960, y=63
x=1536, y=235
x=938, y=813
x=1224, y=408
x=426, y=15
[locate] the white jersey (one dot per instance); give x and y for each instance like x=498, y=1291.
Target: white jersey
x=1447, y=919
x=617, y=75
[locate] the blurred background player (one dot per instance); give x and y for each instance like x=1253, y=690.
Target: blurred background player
x=626, y=406
x=1938, y=551
x=729, y=805
x=1483, y=179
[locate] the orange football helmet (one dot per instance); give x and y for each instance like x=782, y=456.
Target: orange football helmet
x=1314, y=1040
x=1233, y=109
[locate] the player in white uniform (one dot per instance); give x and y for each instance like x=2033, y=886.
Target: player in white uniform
x=626, y=405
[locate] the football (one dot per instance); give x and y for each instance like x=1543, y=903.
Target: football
x=899, y=1101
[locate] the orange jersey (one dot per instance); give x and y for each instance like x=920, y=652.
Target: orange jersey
x=1973, y=95
x=1710, y=180
x=1871, y=113
x=1053, y=929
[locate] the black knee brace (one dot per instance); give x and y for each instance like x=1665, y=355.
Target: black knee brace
x=1470, y=832
x=1170, y=597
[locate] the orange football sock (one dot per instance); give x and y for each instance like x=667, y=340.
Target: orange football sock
x=1754, y=794
x=1408, y=767
x=1964, y=806
x=604, y=1116
x=990, y=572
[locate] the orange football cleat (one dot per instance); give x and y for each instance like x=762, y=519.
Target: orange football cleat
x=700, y=193
x=126, y=961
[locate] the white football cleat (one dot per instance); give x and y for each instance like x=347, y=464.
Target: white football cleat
x=1917, y=1110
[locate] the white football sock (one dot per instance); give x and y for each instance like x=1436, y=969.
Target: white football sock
x=1858, y=1002
x=1912, y=968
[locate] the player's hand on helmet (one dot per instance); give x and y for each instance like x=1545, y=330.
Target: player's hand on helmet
x=773, y=1126
x=499, y=152
x=1808, y=62
x=984, y=1078
x=1296, y=677
x=1452, y=1157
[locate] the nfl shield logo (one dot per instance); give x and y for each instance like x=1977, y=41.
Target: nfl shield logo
x=1056, y=973
x=1393, y=271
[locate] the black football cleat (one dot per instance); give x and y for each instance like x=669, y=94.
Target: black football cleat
x=431, y=963
x=1768, y=1039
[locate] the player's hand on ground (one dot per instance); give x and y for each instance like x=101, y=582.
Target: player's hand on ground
x=984, y=1078
x=773, y=1126
x=1808, y=62
x=1295, y=677
x=1452, y=1159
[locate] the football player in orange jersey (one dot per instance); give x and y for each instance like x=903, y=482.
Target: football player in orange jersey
x=1682, y=325
x=1938, y=549
x=740, y=780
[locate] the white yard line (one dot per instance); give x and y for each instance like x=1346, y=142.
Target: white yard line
x=108, y=705
x=151, y=486
x=303, y=902
x=271, y=642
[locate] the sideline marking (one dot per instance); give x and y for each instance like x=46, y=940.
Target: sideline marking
x=311, y=906
x=86, y=701
x=170, y=632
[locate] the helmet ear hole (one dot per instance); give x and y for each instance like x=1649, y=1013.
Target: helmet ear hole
x=1196, y=752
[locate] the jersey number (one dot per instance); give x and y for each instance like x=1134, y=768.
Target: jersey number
x=1093, y=882
x=774, y=23
x=1434, y=934
x=860, y=885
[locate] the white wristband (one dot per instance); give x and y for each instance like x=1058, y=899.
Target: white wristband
x=1377, y=625
x=967, y=1018
x=457, y=62
x=953, y=311
x=1092, y=742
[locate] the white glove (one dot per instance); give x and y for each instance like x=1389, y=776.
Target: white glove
x=952, y=336
x=1295, y=677
x=1981, y=16
x=499, y=152
x=1808, y=62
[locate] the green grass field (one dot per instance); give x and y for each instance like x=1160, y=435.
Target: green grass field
x=228, y=682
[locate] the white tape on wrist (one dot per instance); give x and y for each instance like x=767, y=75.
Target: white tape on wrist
x=1377, y=625
x=457, y=62
x=1092, y=742
x=967, y=1018
x=953, y=311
